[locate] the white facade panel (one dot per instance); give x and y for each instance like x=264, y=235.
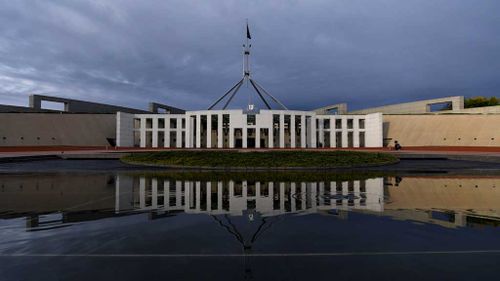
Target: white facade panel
x=263, y=129
x=124, y=129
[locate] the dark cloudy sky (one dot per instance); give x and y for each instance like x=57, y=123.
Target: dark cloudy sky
x=306, y=53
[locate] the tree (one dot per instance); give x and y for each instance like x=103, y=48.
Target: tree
x=480, y=102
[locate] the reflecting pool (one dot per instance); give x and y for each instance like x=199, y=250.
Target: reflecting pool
x=146, y=225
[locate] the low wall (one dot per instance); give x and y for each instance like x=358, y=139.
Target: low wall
x=442, y=130
x=45, y=129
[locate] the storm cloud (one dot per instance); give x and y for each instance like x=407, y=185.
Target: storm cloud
x=306, y=53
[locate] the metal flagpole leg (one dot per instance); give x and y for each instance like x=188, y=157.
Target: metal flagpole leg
x=234, y=93
x=260, y=95
x=223, y=96
x=272, y=97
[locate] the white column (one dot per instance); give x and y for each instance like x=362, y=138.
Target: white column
x=282, y=130
x=321, y=133
x=257, y=137
x=143, y=132
x=333, y=139
x=313, y=131
x=355, y=133
x=220, y=135
x=231, y=136
x=178, y=133
x=344, y=132
x=166, y=143
x=303, y=131
x=292, y=131
x=270, y=137
x=209, y=130
x=155, y=132
x=244, y=135
x=188, y=130
x=198, y=131
x=191, y=131
x=292, y=192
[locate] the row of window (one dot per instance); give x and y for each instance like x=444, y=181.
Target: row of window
x=251, y=120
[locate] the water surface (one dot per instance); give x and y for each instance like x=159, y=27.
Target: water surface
x=145, y=225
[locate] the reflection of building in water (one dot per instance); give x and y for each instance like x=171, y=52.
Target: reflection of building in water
x=54, y=200
x=447, y=201
x=76, y=197
x=41, y=193
x=234, y=197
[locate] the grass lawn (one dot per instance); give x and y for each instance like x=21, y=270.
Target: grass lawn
x=265, y=159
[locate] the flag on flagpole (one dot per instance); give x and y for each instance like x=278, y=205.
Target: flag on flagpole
x=248, y=33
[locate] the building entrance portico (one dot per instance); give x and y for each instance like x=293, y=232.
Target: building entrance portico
x=236, y=129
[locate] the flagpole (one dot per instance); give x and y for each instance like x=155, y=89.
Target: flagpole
x=249, y=81
x=246, y=55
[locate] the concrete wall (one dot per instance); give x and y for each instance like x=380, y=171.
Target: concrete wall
x=413, y=107
x=42, y=129
x=442, y=129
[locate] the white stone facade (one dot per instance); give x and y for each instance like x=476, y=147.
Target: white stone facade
x=237, y=129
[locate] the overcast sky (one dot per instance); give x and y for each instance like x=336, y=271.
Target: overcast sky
x=306, y=53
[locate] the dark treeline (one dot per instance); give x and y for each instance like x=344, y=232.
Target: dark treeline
x=480, y=101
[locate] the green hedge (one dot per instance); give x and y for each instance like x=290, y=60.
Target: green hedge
x=266, y=159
